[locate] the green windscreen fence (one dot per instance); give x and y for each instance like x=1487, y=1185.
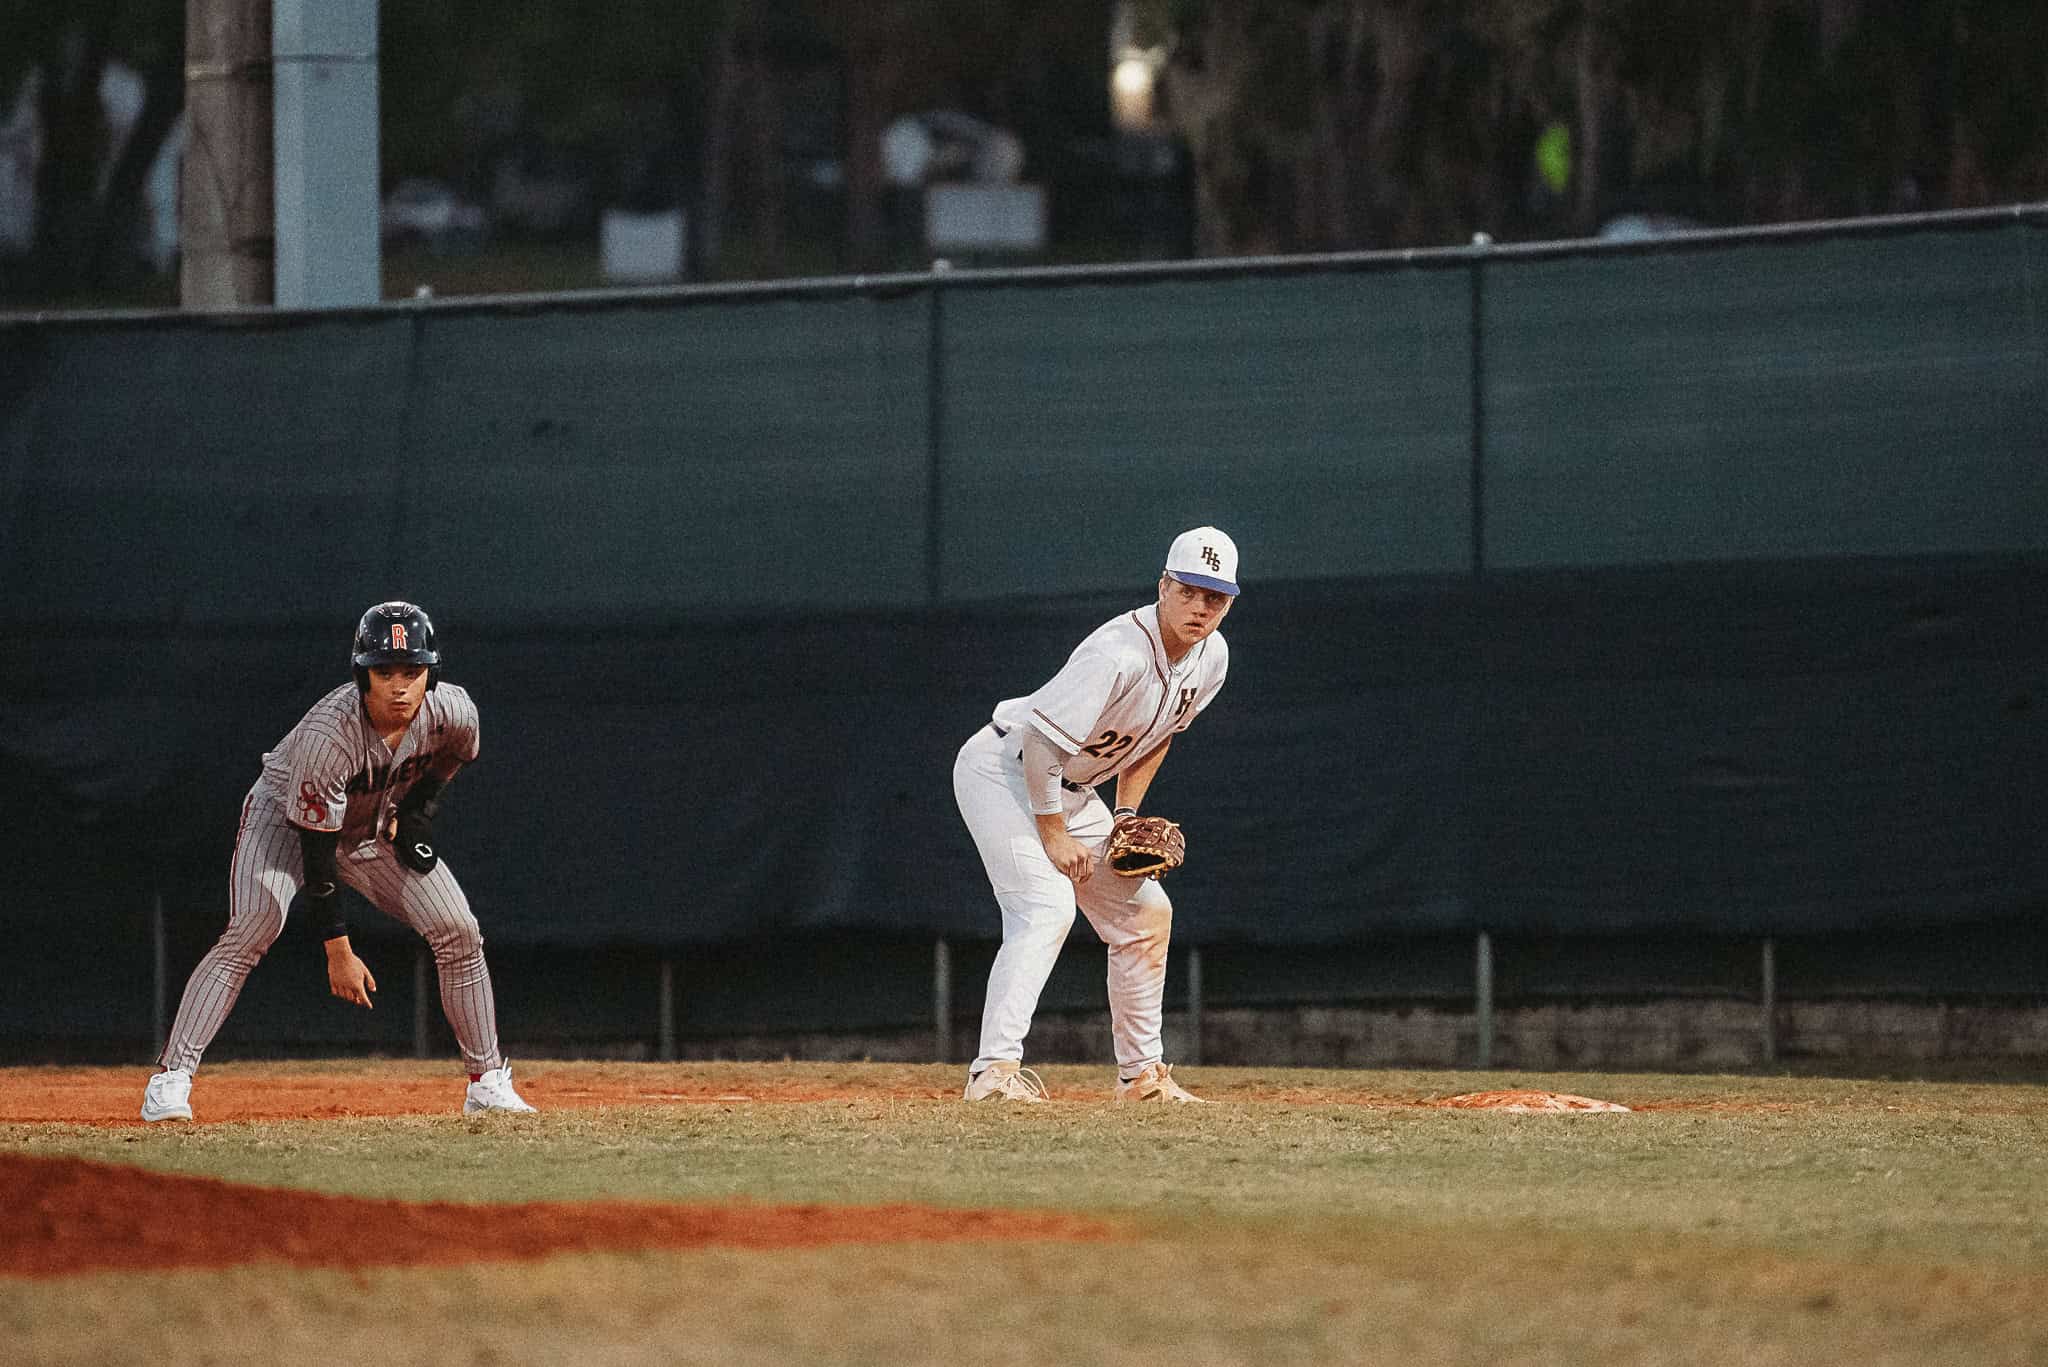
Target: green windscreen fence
x=185, y=473
x=1776, y=509
x=650, y=465
x=1690, y=589
x=1324, y=420
x=1877, y=396
x=623, y=465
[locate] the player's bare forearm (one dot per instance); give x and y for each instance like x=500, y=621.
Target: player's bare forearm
x=1132, y=783
x=348, y=977
x=1067, y=854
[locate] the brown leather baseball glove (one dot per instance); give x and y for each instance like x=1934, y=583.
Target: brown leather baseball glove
x=1145, y=847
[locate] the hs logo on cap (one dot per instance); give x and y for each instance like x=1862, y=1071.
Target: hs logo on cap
x=1209, y=558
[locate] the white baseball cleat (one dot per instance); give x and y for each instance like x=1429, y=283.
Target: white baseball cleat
x=1156, y=1084
x=493, y=1092
x=1004, y=1080
x=168, y=1096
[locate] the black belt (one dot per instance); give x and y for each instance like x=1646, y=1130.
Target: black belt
x=1070, y=787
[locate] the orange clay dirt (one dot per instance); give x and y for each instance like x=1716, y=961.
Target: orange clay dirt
x=62, y=1216
x=112, y=1096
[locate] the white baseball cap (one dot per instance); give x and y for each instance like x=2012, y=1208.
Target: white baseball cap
x=1204, y=557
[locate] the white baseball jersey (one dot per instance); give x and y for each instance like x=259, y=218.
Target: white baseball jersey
x=333, y=772
x=1117, y=698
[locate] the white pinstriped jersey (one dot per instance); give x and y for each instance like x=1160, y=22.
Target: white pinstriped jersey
x=1117, y=698
x=333, y=772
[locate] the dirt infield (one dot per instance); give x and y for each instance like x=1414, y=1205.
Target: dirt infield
x=105, y=1096
x=61, y=1216
x=64, y=1216
x=109, y=1096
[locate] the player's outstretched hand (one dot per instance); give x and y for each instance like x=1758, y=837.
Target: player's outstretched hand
x=348, y=977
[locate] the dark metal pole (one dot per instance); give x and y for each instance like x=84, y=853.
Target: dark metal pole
x=942, y=1001
x=1770, y=1000
x=1483, y=966
x=667, y=1012
x=1481, y=243
x=935, y=433
x=421, y=981
x=1483, y=970
x=160, y=943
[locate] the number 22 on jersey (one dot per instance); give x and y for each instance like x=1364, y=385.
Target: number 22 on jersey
x=1109, y=746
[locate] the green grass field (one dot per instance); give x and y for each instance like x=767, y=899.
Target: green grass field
x=1310, y=1218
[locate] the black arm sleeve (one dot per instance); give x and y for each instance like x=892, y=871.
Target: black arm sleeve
x=413, y=841
x=424, y=796
x=317, y=894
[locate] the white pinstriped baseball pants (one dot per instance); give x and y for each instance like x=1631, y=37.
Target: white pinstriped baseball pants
x=267, y=870
x=1133, y=916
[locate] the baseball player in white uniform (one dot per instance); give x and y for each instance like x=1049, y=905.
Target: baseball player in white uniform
x=1026, y=786
x=349, y=796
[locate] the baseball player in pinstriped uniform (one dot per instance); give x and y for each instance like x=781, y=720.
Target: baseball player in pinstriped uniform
x=1026, y=787
x=349, y=796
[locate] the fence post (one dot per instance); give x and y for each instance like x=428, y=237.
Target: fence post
x=666, y=1042
x=1770, y=999
x=1194, y=1004
x=420, y=959
x=160, y=946
x=942, y=1001
x=1483, y=972
x=935, y=433
x=1482, y=244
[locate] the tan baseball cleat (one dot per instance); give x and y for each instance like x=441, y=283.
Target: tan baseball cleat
x=1156, y=1084
x=1004, y=1081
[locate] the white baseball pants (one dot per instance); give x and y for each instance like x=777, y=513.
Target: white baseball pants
x=1133, y=916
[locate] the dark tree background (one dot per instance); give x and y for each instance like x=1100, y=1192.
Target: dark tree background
x=1331, y=124
x=1305, y=124
x=89, y=194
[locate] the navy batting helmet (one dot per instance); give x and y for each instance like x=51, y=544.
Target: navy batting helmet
x=395, y=633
